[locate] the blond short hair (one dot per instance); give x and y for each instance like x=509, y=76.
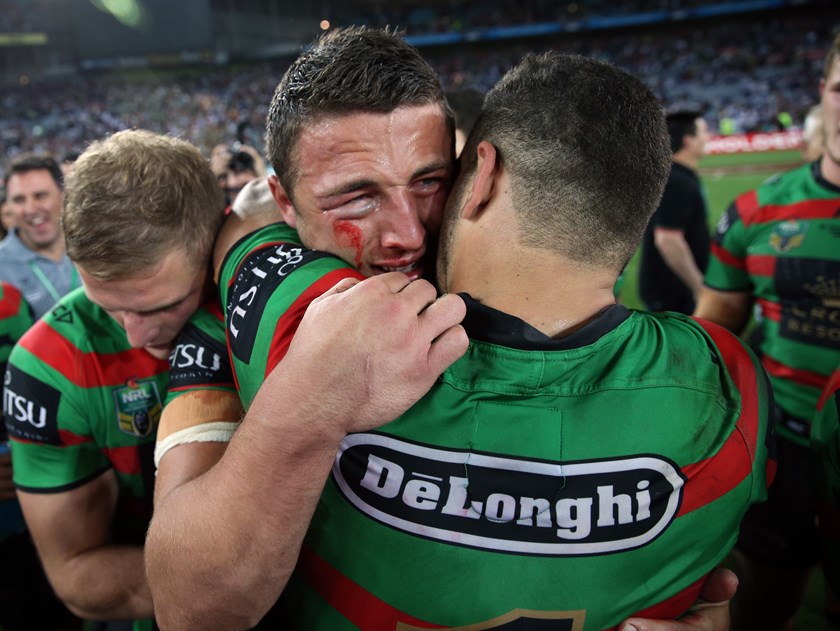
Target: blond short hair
x=136, y=196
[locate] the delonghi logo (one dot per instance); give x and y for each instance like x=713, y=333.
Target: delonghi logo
x=509, y=504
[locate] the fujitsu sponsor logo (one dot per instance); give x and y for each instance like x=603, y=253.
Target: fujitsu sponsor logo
x=258, y=276
x=276, y=261
x=194, y=356
x=22, y=410
x=509, y=504
x=30, y=407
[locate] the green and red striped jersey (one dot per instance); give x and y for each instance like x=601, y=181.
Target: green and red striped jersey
x=261, y=318
x=79, y=401
x=15, y=319
x=781, y=243
x=530, y=477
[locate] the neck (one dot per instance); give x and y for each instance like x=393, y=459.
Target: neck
x=555, y=296
x=54, y=251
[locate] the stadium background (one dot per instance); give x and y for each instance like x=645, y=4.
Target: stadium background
x=74, y=70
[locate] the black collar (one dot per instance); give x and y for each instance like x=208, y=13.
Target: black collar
x=486, y=324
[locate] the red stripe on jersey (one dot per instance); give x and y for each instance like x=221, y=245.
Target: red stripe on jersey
x=10, y=305
x=770, y=310
x=831, y=387
x=727, y=258
x=359, y=606
x=804, y=210
x=747, y=206
x=675, y=606
x=69, y=438
x=124, y=459
x=714, y=477
x=215, y=309
x=202, y=386
x=89, y=370
x=803, y=377
x=288, y=323
x=761, y=264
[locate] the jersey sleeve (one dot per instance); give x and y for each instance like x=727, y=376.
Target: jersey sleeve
x=200, y=358
x=727, y=269
x=268, y=286
x=746, y=383
x=201, y=386
x=47, y=416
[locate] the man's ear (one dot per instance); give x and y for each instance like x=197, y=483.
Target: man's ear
x=481, y=188
x=284, y=202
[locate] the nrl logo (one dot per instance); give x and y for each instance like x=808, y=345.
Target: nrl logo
x=506, y=504
x=138, y=407
x=788, y=235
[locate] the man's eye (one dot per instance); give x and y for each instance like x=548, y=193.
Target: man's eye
x=429, y=184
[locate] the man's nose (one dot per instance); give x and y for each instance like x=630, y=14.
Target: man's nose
x=403, y=227
x=140, y=329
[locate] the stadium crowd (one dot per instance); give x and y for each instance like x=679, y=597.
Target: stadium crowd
x=747, y=72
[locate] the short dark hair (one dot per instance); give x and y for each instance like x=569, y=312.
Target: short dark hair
x=586, y=150
x=355, y=69
x=681, y=124
x=36, y=162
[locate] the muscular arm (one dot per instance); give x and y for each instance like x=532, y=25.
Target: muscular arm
x=677, y=255
x=221, y=548
x=95, y=578
x=730, y=309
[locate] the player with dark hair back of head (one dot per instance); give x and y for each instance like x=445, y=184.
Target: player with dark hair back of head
x=85, y=385
x=778, y=248
x=581, y=225
x=675, y=248
x=32, y=255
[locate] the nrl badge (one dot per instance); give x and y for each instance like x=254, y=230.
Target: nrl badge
x=788, y=235
x=138, y=407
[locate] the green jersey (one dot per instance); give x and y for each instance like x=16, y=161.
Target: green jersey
x=80, y=401
x=781, y=243
x=535, y=472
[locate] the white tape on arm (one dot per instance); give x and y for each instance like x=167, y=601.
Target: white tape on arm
x=220, y=432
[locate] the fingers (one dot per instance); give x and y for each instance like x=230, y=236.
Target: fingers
x=343, y=285
x=448, y=348
x=721, y=585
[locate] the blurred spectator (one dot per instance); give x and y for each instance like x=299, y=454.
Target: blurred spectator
x=7, y=218
x=245, y=164
x=813, y=134
x=32, y=256
x=67, y=162
x=675, y=249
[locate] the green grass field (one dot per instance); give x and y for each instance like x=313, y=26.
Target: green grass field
x=724, y=178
